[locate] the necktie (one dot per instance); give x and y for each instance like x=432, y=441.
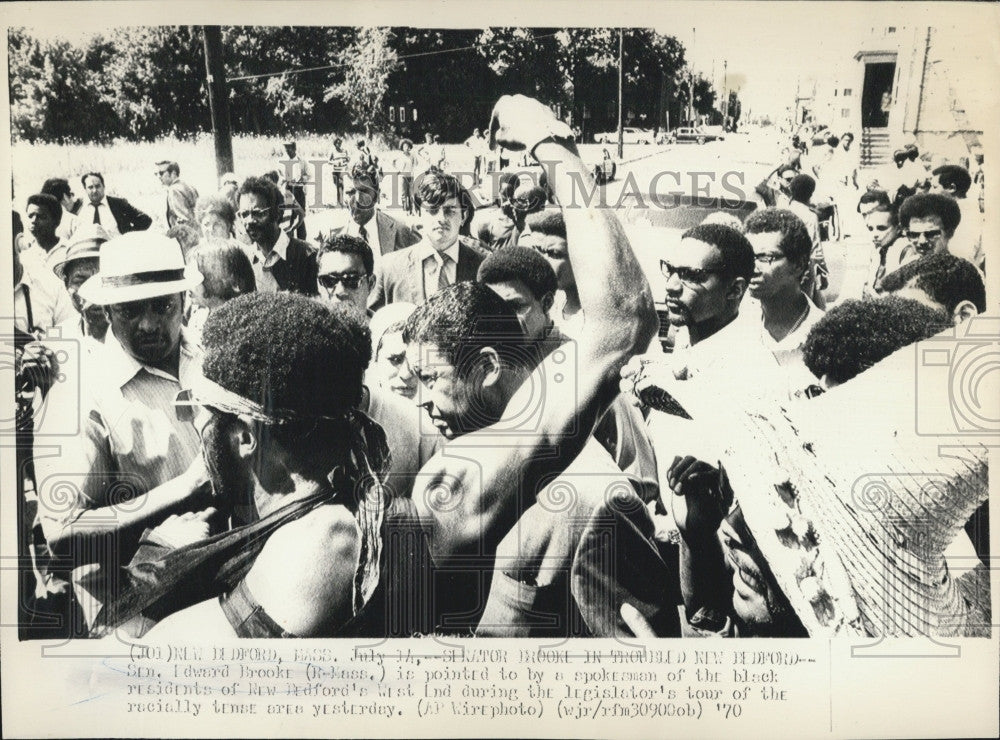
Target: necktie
x=443, y=281
x=97, y=214
x=363, y=232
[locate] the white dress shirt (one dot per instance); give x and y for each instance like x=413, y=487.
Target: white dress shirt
x=86, y=215
x=262, y=266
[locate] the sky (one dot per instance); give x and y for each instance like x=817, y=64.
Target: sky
x=768, y=46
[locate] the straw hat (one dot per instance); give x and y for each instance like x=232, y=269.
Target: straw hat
x=853, y=504
x=85, y=243
x=137, y=266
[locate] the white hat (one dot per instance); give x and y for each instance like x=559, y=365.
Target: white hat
x=139, y=265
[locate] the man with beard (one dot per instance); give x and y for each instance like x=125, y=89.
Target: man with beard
x=94, y=495
x=480, y=387
x=288, y=448
x=280, y=262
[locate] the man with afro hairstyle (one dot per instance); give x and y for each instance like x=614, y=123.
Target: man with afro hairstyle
x=294, y=466
x=941, y=281
x=928, y=221
x=856, y=335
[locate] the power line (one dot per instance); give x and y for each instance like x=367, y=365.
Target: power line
x=342, y=66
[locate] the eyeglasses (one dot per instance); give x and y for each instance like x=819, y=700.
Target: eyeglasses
x=257, y=214
x=351, y=280
x=131, y=311
x=914, y=236
x=766, y=259
x=449, y=211
x=161, y=173
x=687, y=275
x=551, y=253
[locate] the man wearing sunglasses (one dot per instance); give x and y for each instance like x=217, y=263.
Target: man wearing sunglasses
x=928, y=221
x=94, y=494
x=181, y=197
x=440, y=258
x=346, y=271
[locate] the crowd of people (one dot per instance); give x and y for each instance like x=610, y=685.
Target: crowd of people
x=399, y=427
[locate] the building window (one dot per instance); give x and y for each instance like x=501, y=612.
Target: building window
x=845, y=112
x=402, y=114
x=413, y=115
x=847, y=92
x=392, y=114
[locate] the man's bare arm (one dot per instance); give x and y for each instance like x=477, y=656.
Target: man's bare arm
x=620, y=321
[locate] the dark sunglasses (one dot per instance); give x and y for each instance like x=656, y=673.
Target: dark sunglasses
x=351, y=280
x=131, y=311
x=688, y=275
x=928, y=235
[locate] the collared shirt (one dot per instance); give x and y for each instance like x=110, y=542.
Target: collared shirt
x=86, y=216
x=40, y=296
x=788, y=350
x=263, y=266
x=109, y=434
x=373, y=234
x=432, y=259
x=34, y=251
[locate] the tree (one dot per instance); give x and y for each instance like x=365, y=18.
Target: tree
x=367, y=64
x=53, y=94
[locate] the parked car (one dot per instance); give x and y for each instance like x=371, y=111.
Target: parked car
x=697, y=135
x=630, y=135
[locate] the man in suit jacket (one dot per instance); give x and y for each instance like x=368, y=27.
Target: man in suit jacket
x=181, y=197
x=279, y=262
x=439, y=259
x=116, y=215
x=379, y=230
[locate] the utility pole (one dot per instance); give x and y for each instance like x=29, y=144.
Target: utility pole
x=218, y=99
x=621, y=87
x=725, y=94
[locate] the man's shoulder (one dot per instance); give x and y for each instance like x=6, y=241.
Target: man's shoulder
x=471, y=249
x=300, y=248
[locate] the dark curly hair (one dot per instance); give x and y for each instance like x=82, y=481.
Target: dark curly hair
x=465, y=318
x=49, y=203
x=802, y=188
x=795, y=243
x=855, y=335
x=263, y=188
x=547, y=223
x=519, y=263
x=947, y=279
x=925, y=205
x=348, y=245
x=287, y=351
x=736, y=251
